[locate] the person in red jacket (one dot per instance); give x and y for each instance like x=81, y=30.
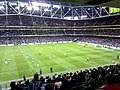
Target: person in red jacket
x=111, y=83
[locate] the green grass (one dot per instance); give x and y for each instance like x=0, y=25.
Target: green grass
x=64, y=56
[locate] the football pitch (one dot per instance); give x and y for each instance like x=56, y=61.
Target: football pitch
x=16, y=61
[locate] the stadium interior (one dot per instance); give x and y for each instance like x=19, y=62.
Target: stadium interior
x=38, y=22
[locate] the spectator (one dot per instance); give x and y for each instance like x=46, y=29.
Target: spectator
x=35, y=83
x=111, y=83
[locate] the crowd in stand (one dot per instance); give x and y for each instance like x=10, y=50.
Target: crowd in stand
x=112, y=42
x=60, y=32
x=101, y=78
x=22, y=20
x=115, y=42
x=21, y=40
x=99, y=32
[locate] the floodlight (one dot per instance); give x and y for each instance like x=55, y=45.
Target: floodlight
x=46, y=9
x=56, y=6
x=75, y=18
x=17, y=7
x=83, y=16
x=98, y=8
x=69, y=9
x=2, y=3
x=29, y=8
x=88, y=8
x=2, y=7
x=69, y=18
x=36, y=8
x=45, y=4
x=76, y=9
x=103, y=7
x=23, y=4
x=36, y=3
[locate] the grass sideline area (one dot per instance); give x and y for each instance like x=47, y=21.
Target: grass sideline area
x=16, y=61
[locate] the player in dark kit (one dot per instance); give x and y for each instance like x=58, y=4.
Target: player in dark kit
x=24, y=78
x=51, y=69
x=118, y=56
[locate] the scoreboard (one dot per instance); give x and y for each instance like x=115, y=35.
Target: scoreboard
x=113, y=10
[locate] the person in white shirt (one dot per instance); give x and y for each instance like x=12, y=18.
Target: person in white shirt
x=58, y=84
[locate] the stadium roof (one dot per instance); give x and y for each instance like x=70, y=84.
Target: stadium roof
x=112, y=3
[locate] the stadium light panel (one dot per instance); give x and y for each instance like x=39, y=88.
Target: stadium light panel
x=12, y=3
